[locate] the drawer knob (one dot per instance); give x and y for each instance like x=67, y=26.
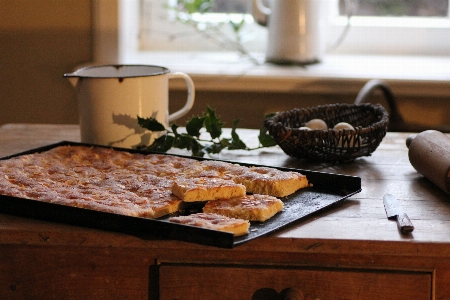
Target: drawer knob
x=292, y=294
x=272, y=294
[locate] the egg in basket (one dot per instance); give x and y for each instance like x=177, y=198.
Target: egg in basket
x=348, y=131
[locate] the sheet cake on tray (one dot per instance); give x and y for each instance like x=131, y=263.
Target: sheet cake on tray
x=131, y=185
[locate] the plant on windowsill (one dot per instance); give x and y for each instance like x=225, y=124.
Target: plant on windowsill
x=188, y=12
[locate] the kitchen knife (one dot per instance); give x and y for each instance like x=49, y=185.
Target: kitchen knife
x=393, y=210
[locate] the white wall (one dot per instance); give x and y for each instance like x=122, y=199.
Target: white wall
x=40, y=40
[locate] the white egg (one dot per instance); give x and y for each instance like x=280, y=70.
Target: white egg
x=343, y=125
x=317, y=124
x=349, y=142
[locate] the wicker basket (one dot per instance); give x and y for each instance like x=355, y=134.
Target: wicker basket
x=370, y=123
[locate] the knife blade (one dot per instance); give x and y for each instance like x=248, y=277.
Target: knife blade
x=394, y=210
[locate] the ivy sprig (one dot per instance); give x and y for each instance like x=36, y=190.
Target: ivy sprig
x=191, y=141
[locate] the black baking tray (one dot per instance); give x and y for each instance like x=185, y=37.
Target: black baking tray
x=326, y=189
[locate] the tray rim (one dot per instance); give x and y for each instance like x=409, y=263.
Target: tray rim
x=144, y=227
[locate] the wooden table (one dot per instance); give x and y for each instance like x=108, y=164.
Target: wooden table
x=348, y=251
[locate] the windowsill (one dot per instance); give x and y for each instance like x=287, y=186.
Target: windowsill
x=407, y=75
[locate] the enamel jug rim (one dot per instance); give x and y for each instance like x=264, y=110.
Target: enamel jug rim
x=118, y=71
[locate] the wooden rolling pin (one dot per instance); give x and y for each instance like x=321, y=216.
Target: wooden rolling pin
x=429, y=154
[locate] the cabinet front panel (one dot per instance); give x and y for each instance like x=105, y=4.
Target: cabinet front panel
x=240, y=282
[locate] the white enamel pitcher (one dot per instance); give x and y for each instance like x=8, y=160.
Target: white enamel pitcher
x=111, y=97
x=296, y=29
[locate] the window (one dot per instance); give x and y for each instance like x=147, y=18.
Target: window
x=406, y=27
x=412, y=35
x=412, y=8
x=410, y=27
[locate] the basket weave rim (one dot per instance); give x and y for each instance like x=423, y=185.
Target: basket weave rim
x=377, y=108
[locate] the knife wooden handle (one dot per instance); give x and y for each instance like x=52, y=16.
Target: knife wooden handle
x=404, y=223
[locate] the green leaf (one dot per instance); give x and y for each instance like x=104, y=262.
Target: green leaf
x=214, y=148
x=174, y=128
x=194, y=125
x=237, y=26
x=198, y=150
x=197, y=6
x=185, y=141
x=150, y=124
x=162, y=144
x=225, y=142
x=265, y=139
x=269, y=115
x=213, y=124
x=236, y=142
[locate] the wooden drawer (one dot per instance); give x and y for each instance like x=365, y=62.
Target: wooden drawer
x=191, y=281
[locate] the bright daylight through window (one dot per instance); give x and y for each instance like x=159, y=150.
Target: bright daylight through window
x=418, y=8
x=407, y=27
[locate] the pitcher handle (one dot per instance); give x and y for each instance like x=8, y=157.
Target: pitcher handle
x=260, y=12
x=349, y=11
x=190, y=97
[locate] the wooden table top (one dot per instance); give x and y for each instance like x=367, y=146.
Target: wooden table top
x=360, y=218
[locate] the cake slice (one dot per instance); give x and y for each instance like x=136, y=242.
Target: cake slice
x=191, y=189
x=214, y=221
x=161, y=202
x=250, y=207
x=214, y=168
x=271, y=181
